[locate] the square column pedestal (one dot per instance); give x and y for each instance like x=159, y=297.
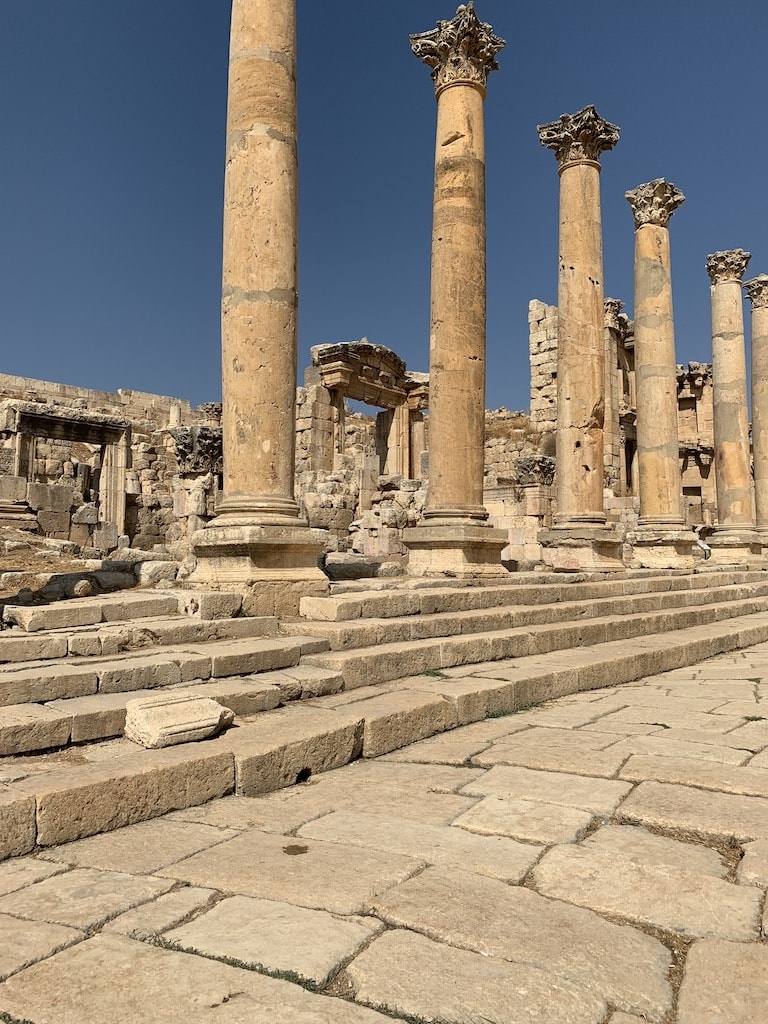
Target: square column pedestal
x=734, y=545
x=656, y=547
x=274, y=566
x=581, y=549
x=455, y=550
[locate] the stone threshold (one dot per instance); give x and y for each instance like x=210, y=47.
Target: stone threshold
x=283, y=747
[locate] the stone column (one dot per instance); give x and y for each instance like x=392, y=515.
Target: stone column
x=455, y=537
x=734, y=538
x=757, y=290
x=662, y=540
x=578, y=140
x=612, y=332
x=258, y=536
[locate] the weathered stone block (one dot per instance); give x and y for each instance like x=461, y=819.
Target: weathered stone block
x=26, y=727
x=54, y=524
x=170, y=720
x=49, y=498
x=17, y=823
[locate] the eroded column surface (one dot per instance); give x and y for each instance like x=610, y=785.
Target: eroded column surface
x=461, y=52
x=258, y=527
x=578, y=140
x=655, y=365
x=757, y=290
x=729, y=379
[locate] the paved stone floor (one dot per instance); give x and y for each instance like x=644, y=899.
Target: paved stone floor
x=601, y=859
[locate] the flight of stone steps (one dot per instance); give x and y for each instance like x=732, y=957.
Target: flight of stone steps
x=371, y=667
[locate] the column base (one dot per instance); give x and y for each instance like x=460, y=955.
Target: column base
x=457, y=550
x=663, y=546
x=581, y=549
x=734, y=545
x=274, y=566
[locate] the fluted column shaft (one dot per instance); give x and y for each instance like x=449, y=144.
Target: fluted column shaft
x=259, y=293
x=578, y=140
x=660, y=483
x=757, y=290
x=729, y=380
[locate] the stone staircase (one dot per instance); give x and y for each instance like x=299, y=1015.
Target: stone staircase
x=369, y=668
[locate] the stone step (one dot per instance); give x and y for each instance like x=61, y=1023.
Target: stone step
x=407, y=599
x=29, y=728
x=87, y=611
x=356, y=633
x=39, y=682
x=110, y=638
x=386, y=661
x=280, y=747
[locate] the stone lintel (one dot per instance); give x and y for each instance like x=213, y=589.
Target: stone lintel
x=727, y=265
x=461, y=51
x=757, y=291
x=579, y=137
x=464, y=551
x=654, y=202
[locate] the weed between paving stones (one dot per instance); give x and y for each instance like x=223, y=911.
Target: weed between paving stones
x=230, y=961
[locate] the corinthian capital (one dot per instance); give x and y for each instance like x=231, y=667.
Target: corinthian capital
x=654, y=202
x=757, y=290
x=728, y=265
x=579, y=137
x=459, y=51
x=612, y=311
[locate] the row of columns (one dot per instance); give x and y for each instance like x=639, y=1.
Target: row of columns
x=259, y=536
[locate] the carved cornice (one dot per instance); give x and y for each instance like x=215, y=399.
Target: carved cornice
x=654, y=202
x=757, y=290
x=728, y=265
x=612, y=313
x=579, y=137
x=462, y=51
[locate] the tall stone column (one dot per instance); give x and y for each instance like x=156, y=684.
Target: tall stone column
x=662, y=541
x=580, y=539
x=454, y=536
x=734, y=539
x=258, y=536
x=757, y=290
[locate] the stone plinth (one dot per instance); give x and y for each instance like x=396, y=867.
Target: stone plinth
x=461, y=53
x=731, y=426
x=734, y=545
x=258, y=526
x=662, y=548
x=757, y=290
x=581, y=549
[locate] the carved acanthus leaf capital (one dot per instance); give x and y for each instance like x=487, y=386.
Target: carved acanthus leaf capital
x=461, y=51
x=611, y=313
x=654, y=202
x=579, y=137
x=728, y=265
x=757, y=290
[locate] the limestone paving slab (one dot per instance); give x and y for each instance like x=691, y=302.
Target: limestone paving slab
x=318, y=875
x=724, y=983
x=616, y=963
x=140, y=849
x=664, y=715
x=663, y=746
x=24, y=942
x=277, y=936
x=411, y=974
x=459, y=745
x=167, y=911
x=22, y=871
x=598, y=796
x=653, y=881
x=753, y=869
x=83, y=898
x=752, y=735
x=746, y=781
x=525, y=819
x=557, y=750
x=112, y=978
x=695, y=811
x=497, y=856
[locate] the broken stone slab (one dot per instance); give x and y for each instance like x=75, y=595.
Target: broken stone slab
x=113, y=978
x=168, y=720
x=753, y=869
x=410, y=974
x=702, y=814
x=526, y=820
x=616, y=963
x=653, y=881
x=25, y=942
x=156, y=572
x=310, y=943
x=167, y=911
x=599, y=796
x=724, y=983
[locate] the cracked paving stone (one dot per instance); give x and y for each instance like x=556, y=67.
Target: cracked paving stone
x=277, y=936
x=25, y=942
x=753, y=868
x=159, y=915
x=664, y=883
x=699, y=812
x=724, y=983
x=16, y=874
x=525, y=819
x=598, y=796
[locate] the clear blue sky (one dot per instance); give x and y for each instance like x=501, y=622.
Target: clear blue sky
x=113, y=119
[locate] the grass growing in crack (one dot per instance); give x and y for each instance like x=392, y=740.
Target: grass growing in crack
x=231, y=961
x=754, y=718
x=6, y=1018
x=435, y=673
x=505, y=713
x=409, y=1018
